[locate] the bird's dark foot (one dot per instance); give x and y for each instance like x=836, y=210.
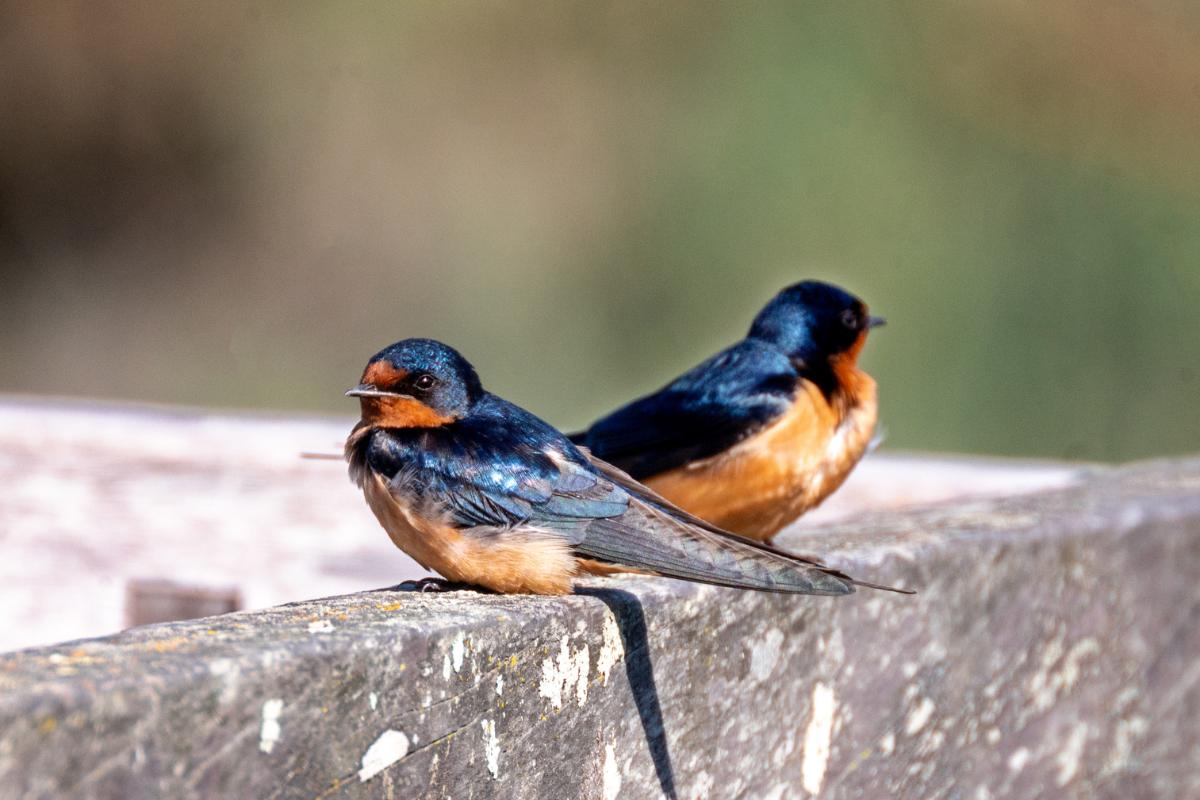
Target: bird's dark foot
x=430, y=585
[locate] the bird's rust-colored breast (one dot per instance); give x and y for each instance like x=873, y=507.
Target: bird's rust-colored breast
x=763, y=483
x=512, y=562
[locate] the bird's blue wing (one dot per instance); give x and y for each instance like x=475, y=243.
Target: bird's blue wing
x=705, y=411
x=496, y=475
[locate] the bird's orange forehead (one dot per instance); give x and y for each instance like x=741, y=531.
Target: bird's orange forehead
x=383, y=373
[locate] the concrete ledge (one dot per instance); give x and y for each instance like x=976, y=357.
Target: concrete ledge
x=1053, y=652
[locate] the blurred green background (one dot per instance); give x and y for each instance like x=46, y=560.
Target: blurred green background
x=234, y=205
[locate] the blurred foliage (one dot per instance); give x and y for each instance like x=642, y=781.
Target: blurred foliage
x=236, y=204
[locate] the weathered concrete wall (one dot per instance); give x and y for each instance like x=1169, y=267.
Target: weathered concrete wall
x=1053, y=651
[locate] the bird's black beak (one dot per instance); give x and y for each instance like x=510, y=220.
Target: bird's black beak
x=876, y=322
x=367, y=390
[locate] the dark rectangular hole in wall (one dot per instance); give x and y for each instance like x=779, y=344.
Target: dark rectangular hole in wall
x=148, y=601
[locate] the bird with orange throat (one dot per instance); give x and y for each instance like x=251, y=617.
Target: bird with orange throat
x=486, y=494
x=764, y=430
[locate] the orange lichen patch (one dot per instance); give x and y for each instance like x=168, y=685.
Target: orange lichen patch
x=382, y=375
x=763, y=483
x=518, y=562
x=47, y=725
x=167, y=645
x=400, y=412
x=389, y=606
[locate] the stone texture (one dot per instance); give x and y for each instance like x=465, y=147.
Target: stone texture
x=1052, y=652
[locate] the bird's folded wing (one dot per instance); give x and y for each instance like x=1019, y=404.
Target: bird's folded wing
x=646, y=537
x=649, y=496
x=704, y=412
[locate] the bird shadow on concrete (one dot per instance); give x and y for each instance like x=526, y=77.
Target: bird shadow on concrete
x=631, y=622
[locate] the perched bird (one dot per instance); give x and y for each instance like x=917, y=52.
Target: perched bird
x=485, y=493
x=764, y=430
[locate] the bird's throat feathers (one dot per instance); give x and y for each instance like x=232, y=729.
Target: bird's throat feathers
x=839, y=378
x=400, y=412
x=851, y=381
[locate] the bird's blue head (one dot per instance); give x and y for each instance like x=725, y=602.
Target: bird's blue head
x=417, y=383
x=812, y=320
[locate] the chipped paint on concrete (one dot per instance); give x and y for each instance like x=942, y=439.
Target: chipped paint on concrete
x=320, y=626
x=817, y=738
x=491, y=747
x=390, y=747
x=612, y=648
x=702, y=786
x=1127, y=731
x=566, y=673
x=887, y=744
x=373, y=700
x=764, y=655
x=500, y=685
x=1019, y=758
x=1069, y=756
x=270, y=731
x=1048, y=683
x=611, y=774
x=458, y=649
x=452, y=661
x=919, y=716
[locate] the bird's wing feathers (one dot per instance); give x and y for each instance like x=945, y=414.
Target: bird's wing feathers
x=702, y=413
x=652, y=498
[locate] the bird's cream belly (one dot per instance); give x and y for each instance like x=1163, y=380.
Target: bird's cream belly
x=760, y=485
x=515, y=561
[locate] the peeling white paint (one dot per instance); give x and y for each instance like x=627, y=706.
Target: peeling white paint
x=612, y=649
x=817, y=738
x=1127, y=731
x=887, y=744
x=1019, y=758
x=1046, y=684
x=703, y=786
x=569, y=671
x=373, y=700
x=458, y=650
x=499, y=685
x=611, y=776
x=320, y=626
x=491, y=747
x=390, y=747
x=764, y=655
x=453, y=660
x=919, y=716
x=271, y=731
x=993, y=735
x=1071, y=753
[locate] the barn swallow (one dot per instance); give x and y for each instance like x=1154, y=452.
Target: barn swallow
x=485, y=493
x=763, y=431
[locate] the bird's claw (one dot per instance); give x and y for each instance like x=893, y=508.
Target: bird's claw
x=429, y=585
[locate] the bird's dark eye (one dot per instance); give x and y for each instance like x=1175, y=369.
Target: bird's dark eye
x=425, y=382
x=850, y=318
